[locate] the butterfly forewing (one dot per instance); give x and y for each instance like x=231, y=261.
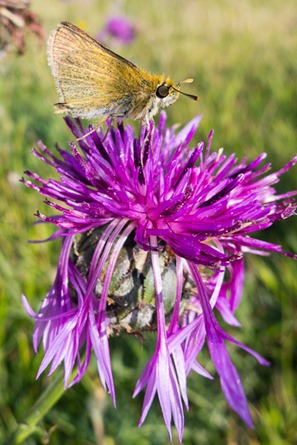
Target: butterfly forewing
x=92, y=80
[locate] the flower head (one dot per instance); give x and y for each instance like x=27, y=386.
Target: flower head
x=153, y=238
x=120, y=29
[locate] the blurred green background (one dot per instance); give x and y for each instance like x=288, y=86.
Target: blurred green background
x=243, y=57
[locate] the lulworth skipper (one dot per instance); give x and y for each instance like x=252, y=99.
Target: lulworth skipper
x=94, y=82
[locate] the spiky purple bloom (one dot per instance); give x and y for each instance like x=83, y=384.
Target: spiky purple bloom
x=198, y=206
x=119, y=28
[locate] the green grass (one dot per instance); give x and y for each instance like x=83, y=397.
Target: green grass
x=242, y=56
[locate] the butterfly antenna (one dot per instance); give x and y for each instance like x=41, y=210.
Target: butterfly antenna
x=190, y=96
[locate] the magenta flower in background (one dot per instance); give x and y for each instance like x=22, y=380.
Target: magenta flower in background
x=118, y=28
x=153, y=238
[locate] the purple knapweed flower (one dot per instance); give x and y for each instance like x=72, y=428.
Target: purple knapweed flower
x=153, y=238
x=118, y=28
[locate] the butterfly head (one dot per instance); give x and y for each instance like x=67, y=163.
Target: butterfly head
x=168, y=92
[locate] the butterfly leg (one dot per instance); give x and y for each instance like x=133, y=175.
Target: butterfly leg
x=95, y=129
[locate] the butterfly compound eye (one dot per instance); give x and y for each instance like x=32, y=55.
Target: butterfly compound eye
x=162, y=91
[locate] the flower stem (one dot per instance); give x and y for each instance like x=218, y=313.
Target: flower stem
x=29, y=424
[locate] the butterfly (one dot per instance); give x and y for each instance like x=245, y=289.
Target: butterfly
x=94, y=82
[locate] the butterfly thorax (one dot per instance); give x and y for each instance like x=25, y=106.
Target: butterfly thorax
x=155, y=92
